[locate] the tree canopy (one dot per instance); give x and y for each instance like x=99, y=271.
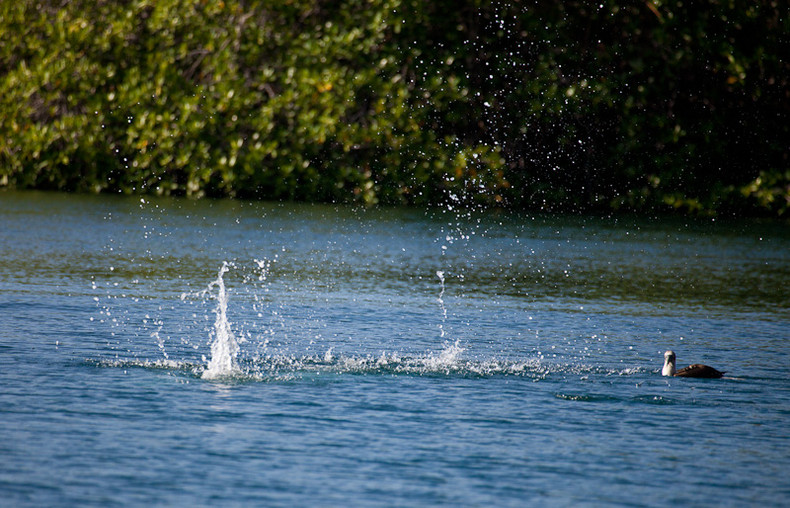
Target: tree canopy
x=646, y=105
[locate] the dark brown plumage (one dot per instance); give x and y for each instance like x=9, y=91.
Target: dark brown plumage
x=696, y=370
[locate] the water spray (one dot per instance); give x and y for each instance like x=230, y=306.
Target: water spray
x=224, y=346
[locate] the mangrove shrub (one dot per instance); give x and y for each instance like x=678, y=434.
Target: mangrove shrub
x=553, y=105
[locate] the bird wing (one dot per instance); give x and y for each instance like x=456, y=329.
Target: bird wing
x=699, y=370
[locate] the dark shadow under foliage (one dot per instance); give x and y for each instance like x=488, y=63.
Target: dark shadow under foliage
x=541, y=105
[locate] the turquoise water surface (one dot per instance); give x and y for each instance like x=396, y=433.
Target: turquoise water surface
x=220, y=353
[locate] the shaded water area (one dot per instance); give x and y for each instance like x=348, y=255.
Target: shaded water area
x=216, y=352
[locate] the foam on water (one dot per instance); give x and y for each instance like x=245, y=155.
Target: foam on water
x=449, y=362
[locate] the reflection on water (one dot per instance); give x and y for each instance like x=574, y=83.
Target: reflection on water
x=150, y=246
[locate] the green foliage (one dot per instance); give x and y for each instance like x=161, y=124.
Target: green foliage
x=556, y=105
x=770, y=191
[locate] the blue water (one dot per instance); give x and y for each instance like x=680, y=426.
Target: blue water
x=387, y=357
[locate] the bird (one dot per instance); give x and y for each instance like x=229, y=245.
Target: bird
x=696, y=370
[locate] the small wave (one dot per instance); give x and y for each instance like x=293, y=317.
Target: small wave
x=586, y=397
x=599, y=397
x=160, y=364
x=655, y=400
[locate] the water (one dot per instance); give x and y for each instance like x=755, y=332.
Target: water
x=224, y=353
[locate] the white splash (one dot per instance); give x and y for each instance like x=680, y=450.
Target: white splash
x=265, y=267
x=440, y=274
x=448, y=359
x=224, y=346
x=160, y=342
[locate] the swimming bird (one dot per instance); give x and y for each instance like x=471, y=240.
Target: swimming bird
x=696, y=370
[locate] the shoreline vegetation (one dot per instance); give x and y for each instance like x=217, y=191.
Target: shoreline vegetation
x=557, y=106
